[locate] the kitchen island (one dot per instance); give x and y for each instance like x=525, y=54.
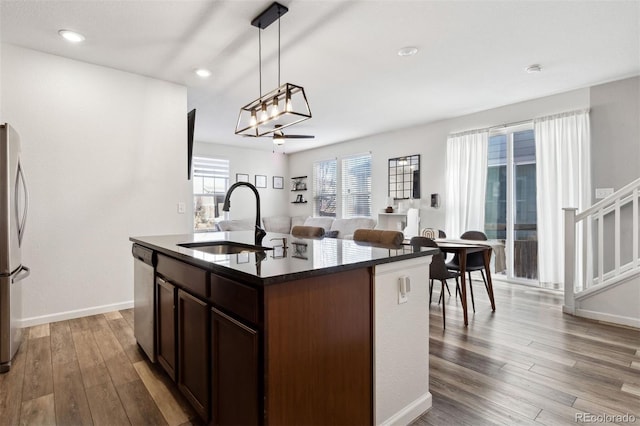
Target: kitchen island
x=302, y=331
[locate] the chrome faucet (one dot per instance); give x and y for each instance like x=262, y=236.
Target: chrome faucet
x=259, y=232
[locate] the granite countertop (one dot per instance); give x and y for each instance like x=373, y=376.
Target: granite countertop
x=302, y=258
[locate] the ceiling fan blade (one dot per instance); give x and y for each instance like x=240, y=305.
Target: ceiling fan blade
x=294, y=137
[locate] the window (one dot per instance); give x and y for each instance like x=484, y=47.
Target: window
x=324, y=188
x=354, y=180
x=210, y=184
x=356, y=186
x=510, y=200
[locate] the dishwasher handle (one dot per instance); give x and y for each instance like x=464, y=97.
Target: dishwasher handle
x=144, y=254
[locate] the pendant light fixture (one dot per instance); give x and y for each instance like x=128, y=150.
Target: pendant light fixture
x=282, y=107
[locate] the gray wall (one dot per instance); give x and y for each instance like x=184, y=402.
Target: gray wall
x=615, y=133
x=615, y=153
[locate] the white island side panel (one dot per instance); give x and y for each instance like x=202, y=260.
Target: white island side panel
x=401, y=341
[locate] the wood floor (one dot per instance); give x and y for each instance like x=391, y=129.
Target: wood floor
x=526, y=363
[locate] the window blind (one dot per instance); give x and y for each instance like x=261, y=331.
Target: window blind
x=356, y=186
x=210, y=175
x=324, y=188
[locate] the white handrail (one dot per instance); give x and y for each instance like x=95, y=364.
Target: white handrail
x=580, y=280
x=627, y=189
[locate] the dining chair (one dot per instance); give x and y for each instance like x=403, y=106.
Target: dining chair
x=475, y=262
x=437, y=271
x=432, y=233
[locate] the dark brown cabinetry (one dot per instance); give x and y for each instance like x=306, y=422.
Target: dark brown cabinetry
x=193, y=351
x=234, y=372
x=210, y=354
x=166, y=326
x=296, y=352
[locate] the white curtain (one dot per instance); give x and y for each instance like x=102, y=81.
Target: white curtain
x=563, y=180
x=466, y=177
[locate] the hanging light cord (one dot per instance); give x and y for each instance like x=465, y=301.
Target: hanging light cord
x=278, y=50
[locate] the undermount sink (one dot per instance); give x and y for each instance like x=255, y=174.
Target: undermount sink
x=224, y=247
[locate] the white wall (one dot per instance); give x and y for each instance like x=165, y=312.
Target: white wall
x=252, y=162
x=429, y=141
x=104, y=153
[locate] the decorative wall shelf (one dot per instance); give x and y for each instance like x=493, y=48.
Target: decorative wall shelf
x=299, y=184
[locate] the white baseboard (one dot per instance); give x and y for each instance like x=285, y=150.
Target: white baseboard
x=61, y=316
x=411, y=412
x=614, y=319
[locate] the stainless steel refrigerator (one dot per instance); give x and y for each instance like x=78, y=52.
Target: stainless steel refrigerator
x=13, y=216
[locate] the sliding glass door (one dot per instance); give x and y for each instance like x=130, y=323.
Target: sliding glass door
x=510, y=201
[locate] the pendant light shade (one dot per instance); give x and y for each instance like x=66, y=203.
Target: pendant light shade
x=283, y=106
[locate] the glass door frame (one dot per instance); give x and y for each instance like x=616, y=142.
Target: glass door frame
x=509, y=131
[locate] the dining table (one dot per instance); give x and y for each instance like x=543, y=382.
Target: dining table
x=463, y=248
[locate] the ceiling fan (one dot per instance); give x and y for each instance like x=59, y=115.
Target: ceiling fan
x=279, y=136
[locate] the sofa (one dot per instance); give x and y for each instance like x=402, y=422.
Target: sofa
x=334, y=228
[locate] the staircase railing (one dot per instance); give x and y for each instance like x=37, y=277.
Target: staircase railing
x=585, y=270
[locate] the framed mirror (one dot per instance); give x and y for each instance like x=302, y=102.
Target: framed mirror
x=404, y=177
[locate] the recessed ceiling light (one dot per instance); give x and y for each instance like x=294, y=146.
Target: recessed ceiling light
x=533, y=68
x=203, y=73
x=408, y=51
x=71, y=36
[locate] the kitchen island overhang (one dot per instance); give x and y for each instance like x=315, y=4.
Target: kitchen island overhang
x=370, y=358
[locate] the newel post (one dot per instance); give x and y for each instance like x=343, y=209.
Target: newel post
x=569, y=259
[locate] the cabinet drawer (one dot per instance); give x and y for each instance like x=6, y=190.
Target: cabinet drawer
x=186, y=276
x=238, y=298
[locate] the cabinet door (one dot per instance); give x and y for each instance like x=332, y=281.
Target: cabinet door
x=166, y=326
x=234, y=373
x=193, y=351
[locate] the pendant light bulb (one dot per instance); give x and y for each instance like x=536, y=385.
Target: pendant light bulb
x=274, y=107
x=253, y=121
x=287, y=106
x=263, y=115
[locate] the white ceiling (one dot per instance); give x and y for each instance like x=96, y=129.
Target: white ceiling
x=472, y=54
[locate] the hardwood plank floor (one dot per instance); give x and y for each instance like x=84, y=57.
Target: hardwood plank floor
x=526, y=363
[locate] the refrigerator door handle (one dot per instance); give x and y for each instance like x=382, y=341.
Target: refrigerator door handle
x=23, y=273
x=23, y=221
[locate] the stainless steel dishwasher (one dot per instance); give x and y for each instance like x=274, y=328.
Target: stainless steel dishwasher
x=144, y=261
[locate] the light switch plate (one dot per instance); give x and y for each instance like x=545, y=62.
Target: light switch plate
x=603, y=193
x=181, y=208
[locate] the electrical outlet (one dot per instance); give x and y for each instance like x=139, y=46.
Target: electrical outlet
x=181, y=208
